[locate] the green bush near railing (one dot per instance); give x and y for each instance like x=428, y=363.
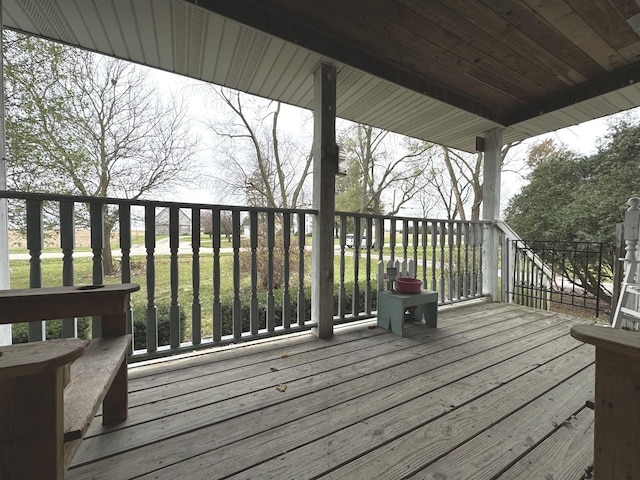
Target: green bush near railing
x=227, y=315
x=53, y=328
x=164, y=326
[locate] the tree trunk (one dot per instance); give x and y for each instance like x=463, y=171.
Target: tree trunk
x=107, y=255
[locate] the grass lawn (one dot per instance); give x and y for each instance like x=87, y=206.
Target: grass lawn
x=52, y=276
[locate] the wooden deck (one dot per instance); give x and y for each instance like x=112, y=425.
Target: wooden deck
x=496, y=391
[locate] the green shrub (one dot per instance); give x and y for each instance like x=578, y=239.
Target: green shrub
x=348, y=300
x=53, y=328
x=245, y=300
x=164, y=326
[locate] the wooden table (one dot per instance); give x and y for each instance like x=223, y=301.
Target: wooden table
x=391, y=307
x=617, y=400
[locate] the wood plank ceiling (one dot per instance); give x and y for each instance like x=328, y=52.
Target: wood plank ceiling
x=444, y=71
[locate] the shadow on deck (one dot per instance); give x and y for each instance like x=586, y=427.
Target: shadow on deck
x=496, y=391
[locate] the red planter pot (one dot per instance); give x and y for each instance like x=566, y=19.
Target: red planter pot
x=408, y=285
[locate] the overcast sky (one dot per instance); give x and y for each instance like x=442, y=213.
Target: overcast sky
x=581, y=138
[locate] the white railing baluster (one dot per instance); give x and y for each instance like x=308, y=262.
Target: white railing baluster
x=405, y=243
x=174, y=246
x=357, y=245
x=434, y=255
x=480, y=242
x=458, y=272
x=368, y=293
x=217, y=302
x=342, y=293
x=67, y=244
x=415, y=233
x=196, y=307
x=237, y=304
x=35, y=243
x=466, y=271
x=124, y=221
x=424, y=244
x=151, y=311
x=96, y=221
x=286, y=270
x=380, y=243
x=254, y=311
x=631, y=233
x=392, y=239
x=451, y=294
x=302, y=226
x=271, y=242
x=443, y=236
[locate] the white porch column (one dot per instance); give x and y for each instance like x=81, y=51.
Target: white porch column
x=5, y=330
x=491, y=210
x=325, y=166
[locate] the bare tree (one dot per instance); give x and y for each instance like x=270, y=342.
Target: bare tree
x=377, y=165
x=264, y=164
x=456, y=178
x=206, y=222
x=98, y=129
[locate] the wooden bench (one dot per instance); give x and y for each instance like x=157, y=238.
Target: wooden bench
x=392, y=305
x=50, y=391
x=616, y=401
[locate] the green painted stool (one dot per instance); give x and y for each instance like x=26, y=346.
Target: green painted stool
x=392, y=305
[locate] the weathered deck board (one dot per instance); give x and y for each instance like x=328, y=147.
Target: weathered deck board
x=303, y=378
x=560, y=455
x=365, y=404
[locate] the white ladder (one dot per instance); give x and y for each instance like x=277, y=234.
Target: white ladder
x=628, y=307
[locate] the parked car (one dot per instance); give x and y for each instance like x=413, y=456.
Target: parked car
x=349, y=242
x=363, y=243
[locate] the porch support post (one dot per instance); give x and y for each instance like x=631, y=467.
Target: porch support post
x=325, y=166
x=491, y=210
x=5, y=330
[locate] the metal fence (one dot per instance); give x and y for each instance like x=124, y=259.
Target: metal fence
x=572, y=276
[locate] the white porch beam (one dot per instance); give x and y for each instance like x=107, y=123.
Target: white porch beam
x=325, y=166
x=491, y=210
x=5, y=330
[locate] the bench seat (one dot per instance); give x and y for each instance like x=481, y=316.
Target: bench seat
x=50, y=391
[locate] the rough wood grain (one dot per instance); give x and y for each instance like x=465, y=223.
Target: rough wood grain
x=91, y=376
x=35, y=304
x=561, y=455
x=190, y=394
x=614, y=339
x=288, y=420
x=31, y=427
x=392, y=407
x=398, y=455
x=224, y=372
x=35, y=358
x=485, y=455
x=617, y=416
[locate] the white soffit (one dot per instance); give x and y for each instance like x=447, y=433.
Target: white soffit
x=182, y=38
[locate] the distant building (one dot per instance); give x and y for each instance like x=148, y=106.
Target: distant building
x=162, y=222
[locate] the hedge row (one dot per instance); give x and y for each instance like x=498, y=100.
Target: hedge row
x=54, y=328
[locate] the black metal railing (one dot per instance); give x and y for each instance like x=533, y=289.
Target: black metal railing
x=571, y=276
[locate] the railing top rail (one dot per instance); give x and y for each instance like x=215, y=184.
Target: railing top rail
x=507, y=230
x=555, y=243
x=417, y=219
x=141, y=202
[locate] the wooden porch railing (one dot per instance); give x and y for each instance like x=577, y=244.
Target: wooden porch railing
x=249, y=279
